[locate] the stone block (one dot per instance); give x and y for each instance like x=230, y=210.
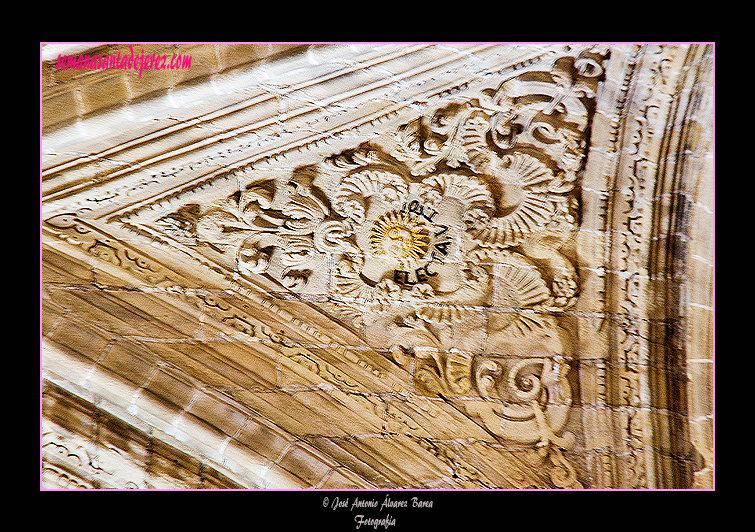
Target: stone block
x=364, y=370
x=111, y=89
x=700, y=331
x=199, y=435
x=291, y=415
x=266, y=441
x=57, y=268
x=700, y=388
x=59, y=108
x=50, y=314
x=700, y=281
x=280, y=478
x=246, y=363
x=342, y=479
x=176, y=391
x=702, y=232
x=390, y=457
x=592, y=290
x=245, y=462
x=704, y=479
x=167, y=470
x=434, y=418
x=306, y=464
x=592, y=336
x=217, y=412
x=199, y=361
x=127, y=363
x=204, y=61
x=702, y=436
x=352, y=414
x=148, y=407
x=80, y=339
x=591, y=248
x=67, y=413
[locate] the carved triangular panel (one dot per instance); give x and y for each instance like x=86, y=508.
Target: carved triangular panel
x=444, y=241
x=398, y=231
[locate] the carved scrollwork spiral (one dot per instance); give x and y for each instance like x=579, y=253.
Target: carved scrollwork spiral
x=527, y=399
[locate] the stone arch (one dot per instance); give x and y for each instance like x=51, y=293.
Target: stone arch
x=177, y=221
x=647, y=171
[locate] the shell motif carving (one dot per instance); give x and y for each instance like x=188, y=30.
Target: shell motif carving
x=467, y=207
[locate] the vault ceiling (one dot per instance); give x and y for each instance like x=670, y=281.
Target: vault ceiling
x=342, y=266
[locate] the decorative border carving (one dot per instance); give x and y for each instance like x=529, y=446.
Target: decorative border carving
x=627, y=168
x=74, y=230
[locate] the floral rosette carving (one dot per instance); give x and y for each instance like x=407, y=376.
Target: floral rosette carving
x=409, y=274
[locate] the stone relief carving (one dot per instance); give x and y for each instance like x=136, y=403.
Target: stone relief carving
x=78, y=232
x=627, y=165
x=464, y=208
x=69, y=464
x=447, y=244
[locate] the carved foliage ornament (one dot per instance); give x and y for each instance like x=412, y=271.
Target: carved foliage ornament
x=468, y=207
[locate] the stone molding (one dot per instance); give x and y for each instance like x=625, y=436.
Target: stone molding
x=72, y=94
x=626, y=194
x=473, y=234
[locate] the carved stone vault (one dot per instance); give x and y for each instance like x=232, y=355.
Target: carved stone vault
x=379, y=266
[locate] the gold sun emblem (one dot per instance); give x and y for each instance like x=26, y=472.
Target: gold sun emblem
x=399, y=235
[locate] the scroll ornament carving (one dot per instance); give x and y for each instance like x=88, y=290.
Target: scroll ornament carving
x=68, y=464
x=296, y=226
x=468, y=207
x=70, y=228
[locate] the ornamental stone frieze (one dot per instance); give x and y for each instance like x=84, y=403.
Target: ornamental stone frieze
x=449, y=244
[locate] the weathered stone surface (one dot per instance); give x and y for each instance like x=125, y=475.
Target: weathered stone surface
x=379, y=266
